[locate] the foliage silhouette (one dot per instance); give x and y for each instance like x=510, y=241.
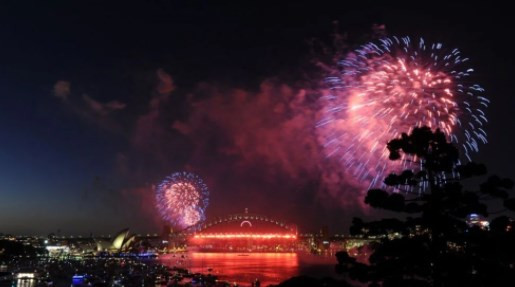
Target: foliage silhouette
x=437, y=247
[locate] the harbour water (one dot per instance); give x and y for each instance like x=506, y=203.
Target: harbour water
x=244, y=268
x=240, y=268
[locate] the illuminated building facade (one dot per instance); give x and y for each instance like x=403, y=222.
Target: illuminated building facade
x=120, y=242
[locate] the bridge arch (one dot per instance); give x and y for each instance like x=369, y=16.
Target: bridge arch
x=243, y=218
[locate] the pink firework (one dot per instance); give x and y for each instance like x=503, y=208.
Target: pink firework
x=387, y=88
x=182, y=199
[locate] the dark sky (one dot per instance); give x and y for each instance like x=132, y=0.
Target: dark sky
x=100, y=101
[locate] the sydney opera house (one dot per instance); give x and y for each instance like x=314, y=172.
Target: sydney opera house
x=121, y=242
x=244, y=232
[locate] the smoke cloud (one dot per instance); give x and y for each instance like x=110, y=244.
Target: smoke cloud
x=254, y=148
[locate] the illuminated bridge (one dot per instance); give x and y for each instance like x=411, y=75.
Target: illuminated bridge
x=244, y=232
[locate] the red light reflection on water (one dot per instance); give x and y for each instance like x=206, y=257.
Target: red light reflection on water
x=243, y=268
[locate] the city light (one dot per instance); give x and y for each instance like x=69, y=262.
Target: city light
x=25, y=276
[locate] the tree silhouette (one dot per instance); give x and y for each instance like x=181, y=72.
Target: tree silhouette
x=436, y=247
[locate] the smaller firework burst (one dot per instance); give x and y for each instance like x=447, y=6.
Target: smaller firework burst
x=182, y=199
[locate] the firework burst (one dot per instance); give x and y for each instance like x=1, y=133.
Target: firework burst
x=182, y=199
x=385, y=88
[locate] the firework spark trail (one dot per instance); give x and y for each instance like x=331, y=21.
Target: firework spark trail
x=387, y=87
x=182, y=199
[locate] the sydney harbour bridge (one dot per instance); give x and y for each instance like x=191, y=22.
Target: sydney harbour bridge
x=243, y=232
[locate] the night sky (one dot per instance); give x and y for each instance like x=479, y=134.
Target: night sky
x=100, y=101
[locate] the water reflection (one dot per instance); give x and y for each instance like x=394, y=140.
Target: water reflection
x=269, y=268
x=25, y=282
